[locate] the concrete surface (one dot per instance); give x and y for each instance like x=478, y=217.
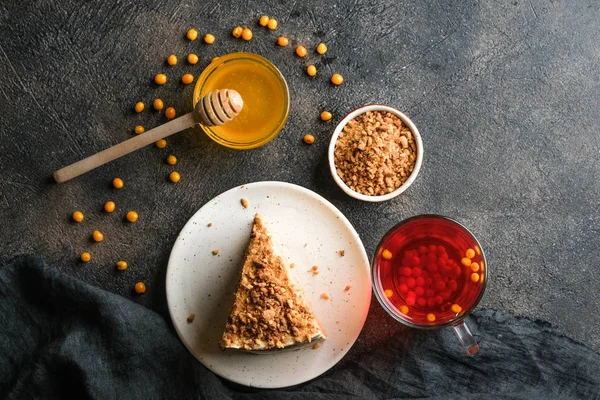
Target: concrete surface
x=505, y=94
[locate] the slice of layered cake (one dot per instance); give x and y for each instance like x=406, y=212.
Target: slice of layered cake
x=269, y=311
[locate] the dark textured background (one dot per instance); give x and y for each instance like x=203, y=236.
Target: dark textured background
x=506, y=97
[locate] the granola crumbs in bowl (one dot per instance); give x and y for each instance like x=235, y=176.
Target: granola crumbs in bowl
x=375, y=153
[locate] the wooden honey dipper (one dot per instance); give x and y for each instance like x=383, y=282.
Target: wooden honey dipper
x=215, y=108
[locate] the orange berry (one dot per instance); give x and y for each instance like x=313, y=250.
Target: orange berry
x=160, y=79
x=109, y=206
x=139, y=129
x=403, y=309
x=237, y=32
x=337, y=79
x=140, y=288
x=132, y=216
x=456, y=308
x=98, y=236
x=246, y=34
x=209, y=38
x=192, y=34
x=321, y=48
x=139, y=107
x=192, y=58
x=170, y=113
x=326, y=115
x=263, y=21
x=477, y=250
x=161, y=144
x=388, y=293
x=311, y=70
x=474, y=267
x=474, y=277
x=171, y=160
x=470, y=253
x=430, y=317
x=118, y=183
x=282, y=41
x=78, y=216
x=172, y=60
x=481, y=265
x=86, y=257
x=386, y=254
x=158, y=104
x=122, y=265
x=174, y=177
x=187, y=79
x=309, y=139
x=272, y=24
x=465, y=261
x=301, y=51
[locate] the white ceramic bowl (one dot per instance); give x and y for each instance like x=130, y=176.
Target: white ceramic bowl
x=411, y=178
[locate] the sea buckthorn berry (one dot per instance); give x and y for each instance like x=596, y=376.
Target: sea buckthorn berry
x=326, y=116
x=474, y=267
x=187, y=79
x=209, y=38
x=160, y=79
x=140, y=287
x=309, y=139
x=132, y=216
x=474, y=277
x=301, y=51
x=118, y=183
x=192, y=34
x=172, y=60
x=466, y=261
x=246, y=34
x=171, y=160
x=481, y=265
x=174, y=177
x=430, y=317
x=386, y=254
x=98, y=236
x=161, y=144
x=139, y=129
x=470, y=253
x=322, y=48
x=237, y=32
x=109, y=206
x=403, y=309
x=264, y=20
x=139, y=107
x=282, y=41
x=272, y=24
x=311, y=70
x=481, y=279
x=456, y=308
x=192, y=58
x=86, y=257
x=337, y=79
x=477, y=250
x=170, y=113
x=388, y=293
x=122, y=265
x=78, y=216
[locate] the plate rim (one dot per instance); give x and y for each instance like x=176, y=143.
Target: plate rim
x=331, y=207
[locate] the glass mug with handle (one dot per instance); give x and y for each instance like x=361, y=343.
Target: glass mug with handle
x=429, y=272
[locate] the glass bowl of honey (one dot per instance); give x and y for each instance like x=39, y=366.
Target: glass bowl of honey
x=264, y=91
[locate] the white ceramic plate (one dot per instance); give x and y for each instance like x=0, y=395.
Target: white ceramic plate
x=309, y=231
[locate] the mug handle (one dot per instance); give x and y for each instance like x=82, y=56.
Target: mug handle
x=466, y=338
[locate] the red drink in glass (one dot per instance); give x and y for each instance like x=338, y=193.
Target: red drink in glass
x=429, y=271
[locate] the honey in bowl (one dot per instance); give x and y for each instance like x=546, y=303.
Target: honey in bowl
x=265, y=94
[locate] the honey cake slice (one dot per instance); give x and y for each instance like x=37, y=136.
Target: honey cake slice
x=269, y=311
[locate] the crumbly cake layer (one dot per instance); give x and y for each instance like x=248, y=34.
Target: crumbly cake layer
x=269, y=311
